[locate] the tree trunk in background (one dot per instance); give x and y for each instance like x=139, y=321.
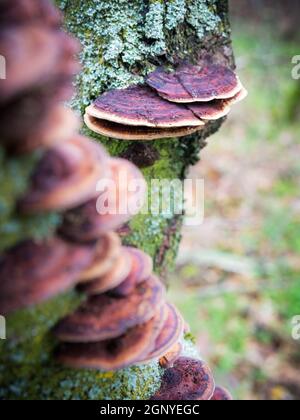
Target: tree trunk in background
x=122, y=42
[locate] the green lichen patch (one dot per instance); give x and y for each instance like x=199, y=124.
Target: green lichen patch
x=15, y=174
x=123, y=41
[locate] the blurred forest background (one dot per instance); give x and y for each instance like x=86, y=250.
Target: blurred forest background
x=241, y=267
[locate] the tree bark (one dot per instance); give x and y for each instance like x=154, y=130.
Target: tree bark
x=122, y=42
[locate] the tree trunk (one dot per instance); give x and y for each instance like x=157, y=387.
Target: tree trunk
x=122, y=42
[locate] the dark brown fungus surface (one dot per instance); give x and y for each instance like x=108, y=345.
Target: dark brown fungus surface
x=188, y=379
x=66, y=176
x=141, y=106
x=141, y=269
x=33, y=272
x=105, y=316
x=221, y=394
x=140, y=133
x=112, y=354
x=171, y=333
x=122, y=196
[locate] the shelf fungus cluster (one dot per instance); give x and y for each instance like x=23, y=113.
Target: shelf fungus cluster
x=168, y=105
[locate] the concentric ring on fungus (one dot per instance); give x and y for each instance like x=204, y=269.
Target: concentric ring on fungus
x=66, y=176
x=189, y=379
x=191, y=83
x=25, y=68
x=221, y=394
x=33, y=272
x=141, y=269
x=216, y=109
x=125, y=185
x=115, y=354
x=108, y=249
x=140, y=106
x=171, y=333
x=111, y=279
x=126, y=132
x=105, y=316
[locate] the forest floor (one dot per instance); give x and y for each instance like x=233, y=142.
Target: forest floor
x=241, y=268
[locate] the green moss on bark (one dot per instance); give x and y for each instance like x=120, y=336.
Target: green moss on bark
x=15, y=175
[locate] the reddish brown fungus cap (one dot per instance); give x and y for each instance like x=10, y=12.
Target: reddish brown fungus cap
x=108, y=249
x=126, y=132
x=221, y=394
x=112, y=279
x=66, y=176
x=168, y=86
x=25, y=68
x=141, y=106
x=191, y=83
x=33, y=272
x=189, y=379
x=171, y=333
x=110, y=355
x=105, y=316
x=25, y=11
x=122, y=196
x=216, y=109
x=59, y=124
x=141, y=269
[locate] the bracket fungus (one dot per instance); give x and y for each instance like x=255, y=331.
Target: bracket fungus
x=138, y=113
x=111, y=279
x=188, y=379
x=106, y=316
x=66, y=176
x=170, y=105
x=141, y=270
x=19, y=11
x=122, y=196
x=33, y=272
x=190, y=83
x=108, y=250
x=112, y=354
x=171, y=334
x=221, y=394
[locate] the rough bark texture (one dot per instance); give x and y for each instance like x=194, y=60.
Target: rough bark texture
x=122, y=42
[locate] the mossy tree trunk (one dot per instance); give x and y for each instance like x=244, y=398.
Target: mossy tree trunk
x=122, y=42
